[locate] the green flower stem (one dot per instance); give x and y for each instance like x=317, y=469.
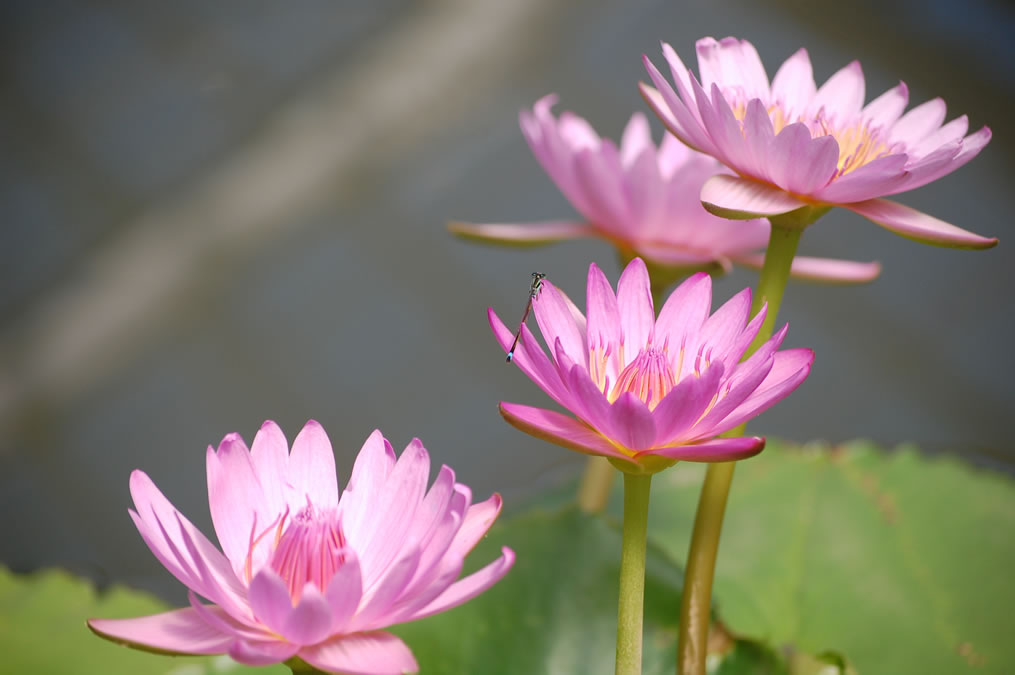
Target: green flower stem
x=630, y=614
x=300, y=667
x=692, y=642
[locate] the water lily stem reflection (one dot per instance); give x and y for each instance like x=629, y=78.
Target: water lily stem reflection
x=692, y=643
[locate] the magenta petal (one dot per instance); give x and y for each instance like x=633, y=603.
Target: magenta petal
x=523, y=234
x=530, y=358
x=742, y=198
x=478, y=520
x=913, y=224
x=556, y=322
x=820, y=269
x=685, y=403
x=789, y=369
x=603, y=327
x=312, y=468
x=744, y=381
x=465, y=589
x=684, y=312
x=715, y=450
x=634, y=302
x=558, y=429
x=376, y=653
x=631, y=422
x=180, y=631
x=721, y=330
x=256, y=653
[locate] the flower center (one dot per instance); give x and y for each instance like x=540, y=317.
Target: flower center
x=309, y=550
x=859, y=143
x=649, y=377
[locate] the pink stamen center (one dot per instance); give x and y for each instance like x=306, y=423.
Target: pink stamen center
x=649, y=377
x=309, y=550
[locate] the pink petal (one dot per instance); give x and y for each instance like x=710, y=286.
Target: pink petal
x=919, y=122
x=721, y=330
x=745, y=381
x=598, y=173
x=685, y=403
x=218, y=618
x=913, y=224
x=634, y=302
x=734, y=64
x=523, y=233
x=588, y=402
x=312, y=468
x=682, y=121
x=376, y=653
x=558, y=429
x=374, y=463
x=842, y=95
x=183, y=549
x=684, y=312
x=603, y=327
x=743, y=198
x=885, y=175
x=235, y=498
x=636, y=139
x=376, y=606
x=800, y=164
x=715, y=450
x=262, y=653
x=760, y=137
x=790, y=368
x=953, y=131
x=478, y=521
x=269, y=454
x=180, y=631
x=434, y=507
x=886, y=109
x=469, y=587
x=793, y=85
x=310, y=621
x=530, y=358
x=631, y=422
x=344, y=592
x=645, y=189
x=970, y=148
x=270, y=599
x=819, y=269
x=556, y=322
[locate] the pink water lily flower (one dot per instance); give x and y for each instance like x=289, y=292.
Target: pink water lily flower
x=793, y=144
x=643, y=199
x=647, y=392
x=307, y=573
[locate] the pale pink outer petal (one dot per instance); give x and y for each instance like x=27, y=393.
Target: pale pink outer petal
x=377, y=604
x=715, y=450
x=558, y=429
x=269, y=453
x=344, y=592
x=886, y=109
x=732, y=63
x=722, y=127
x=255, y=653
x=841, y=96
x=918, y=123
x=376, y=653
x=819, y=269
x=374, y=463
x=793, y=85
x=523, y=234
x=478, y=521
x=636, y=139
x=179, y=631
x=684, y=312
x=913, y=224
x=183, y=549
x=742, y=198
x=884, y=175
x=557, y=322
x=235, y=499
x=970, y=147
x=634, y=302
x=312, y=468
x=469, y=587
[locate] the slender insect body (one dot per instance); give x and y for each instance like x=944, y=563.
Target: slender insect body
x=537, y=282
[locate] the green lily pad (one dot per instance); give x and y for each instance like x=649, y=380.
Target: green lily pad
x=556, y=610
x=42, y=630
x=902, y=562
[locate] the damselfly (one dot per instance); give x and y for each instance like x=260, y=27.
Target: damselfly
x=537, y=282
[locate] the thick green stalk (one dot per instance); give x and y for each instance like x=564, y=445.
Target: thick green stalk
x=692, y=642
x=631, y=609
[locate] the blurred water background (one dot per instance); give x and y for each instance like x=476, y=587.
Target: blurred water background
x=217, y=213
